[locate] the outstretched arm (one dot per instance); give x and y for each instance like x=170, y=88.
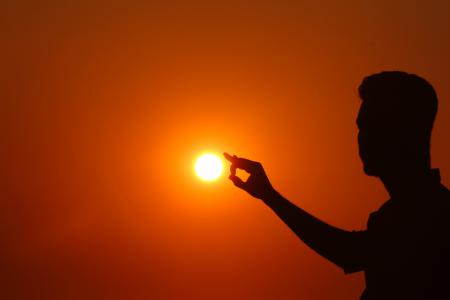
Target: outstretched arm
x=343, y=248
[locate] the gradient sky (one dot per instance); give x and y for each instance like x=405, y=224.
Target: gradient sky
x=106, y=104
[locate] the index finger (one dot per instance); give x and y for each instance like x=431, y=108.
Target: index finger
x=241, y=163
x=229, y=157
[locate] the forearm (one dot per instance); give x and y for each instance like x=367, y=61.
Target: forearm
x=334, y=244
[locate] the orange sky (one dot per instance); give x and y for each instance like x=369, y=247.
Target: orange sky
x=106, y=105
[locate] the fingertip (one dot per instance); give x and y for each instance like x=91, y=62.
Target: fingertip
x=228, y=156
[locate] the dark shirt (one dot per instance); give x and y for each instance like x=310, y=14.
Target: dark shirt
x=405, y=250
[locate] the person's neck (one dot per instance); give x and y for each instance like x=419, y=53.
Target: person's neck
x=405, y=182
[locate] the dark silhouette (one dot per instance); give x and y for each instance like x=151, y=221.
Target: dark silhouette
x=405, y=250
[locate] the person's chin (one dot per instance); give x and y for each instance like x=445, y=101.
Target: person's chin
x=370, y=171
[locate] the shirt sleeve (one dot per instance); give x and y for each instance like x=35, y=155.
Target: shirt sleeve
x=358, y=253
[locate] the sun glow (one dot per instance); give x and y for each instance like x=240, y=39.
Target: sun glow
x=208, y=167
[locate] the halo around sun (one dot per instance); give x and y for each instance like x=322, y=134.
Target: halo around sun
x=208, y=167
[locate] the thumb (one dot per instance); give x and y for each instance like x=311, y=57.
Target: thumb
x=237, y=181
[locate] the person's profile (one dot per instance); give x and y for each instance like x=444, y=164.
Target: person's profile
x=404, y=252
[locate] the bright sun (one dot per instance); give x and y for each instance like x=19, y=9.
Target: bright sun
x=208, y=167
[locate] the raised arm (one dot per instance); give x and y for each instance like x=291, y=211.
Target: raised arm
x=344, y=248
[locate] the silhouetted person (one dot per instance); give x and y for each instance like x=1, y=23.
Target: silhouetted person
x=405, y=250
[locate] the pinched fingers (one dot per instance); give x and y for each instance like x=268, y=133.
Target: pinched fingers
x=242, y=163
x=237, y=181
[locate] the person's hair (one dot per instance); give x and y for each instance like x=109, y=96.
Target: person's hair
x=406, y=99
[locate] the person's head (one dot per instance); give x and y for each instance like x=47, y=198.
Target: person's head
x=395, y=122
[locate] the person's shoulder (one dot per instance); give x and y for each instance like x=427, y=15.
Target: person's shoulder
x=445, y=190
x=386, y=206
x=437, y=207
x=441, y=197
x=380, y=213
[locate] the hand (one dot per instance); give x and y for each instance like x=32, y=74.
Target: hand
x=257, y=184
